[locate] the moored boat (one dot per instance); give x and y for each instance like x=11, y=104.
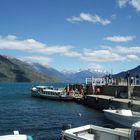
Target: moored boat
x=124, y=117
x=93, y=132
x=50, y=93
x=16, y=136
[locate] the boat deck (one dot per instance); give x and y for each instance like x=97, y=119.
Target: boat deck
x=92, y=132
x=86, y=135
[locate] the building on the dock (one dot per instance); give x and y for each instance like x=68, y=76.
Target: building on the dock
x=119, y=93
x=128, y=87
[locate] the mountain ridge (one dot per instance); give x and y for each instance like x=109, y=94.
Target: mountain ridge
x=132, y=72
x=15, y=70
x=71, y=77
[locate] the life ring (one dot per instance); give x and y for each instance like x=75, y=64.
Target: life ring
x=98, y=90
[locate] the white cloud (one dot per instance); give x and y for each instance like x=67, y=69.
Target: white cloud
x=134, y=3
x=124, y=50
x=86, y=17
x=111, y=54
x=74, y=19
x=127, y=50
x=12, y=43
x=101, y=56
x=122, y=3
x=132, y=57
x=32, y=46
x=37, y=59
x=41, y=51
x=119, y=38
x=96, y=67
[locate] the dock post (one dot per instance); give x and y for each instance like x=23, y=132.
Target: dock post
x=129, y=84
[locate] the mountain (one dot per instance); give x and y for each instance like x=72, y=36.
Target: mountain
x=80, y=76
x=49, y=71
x=14, y=70
x=67, y=76
x=133, y=72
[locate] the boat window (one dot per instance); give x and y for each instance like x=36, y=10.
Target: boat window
x=137, y=135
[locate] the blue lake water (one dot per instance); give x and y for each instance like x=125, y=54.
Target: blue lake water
x=43, y=119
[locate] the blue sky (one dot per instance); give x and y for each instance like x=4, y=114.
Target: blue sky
x=72, y=34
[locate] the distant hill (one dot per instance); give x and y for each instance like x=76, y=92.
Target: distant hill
x=71, y=77
x=14, y=70
x=49, y=71
x=79, y=77
x=133, y=72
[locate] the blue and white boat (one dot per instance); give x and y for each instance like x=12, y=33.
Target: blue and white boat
x=50, y=93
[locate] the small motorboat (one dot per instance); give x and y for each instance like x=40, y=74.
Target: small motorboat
x=125, y=117
x=16, y=136
x=93, y=132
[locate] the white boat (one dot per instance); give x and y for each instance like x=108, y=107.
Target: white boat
x=92, y=132
x=123, y=116
x=50, y=93
x=16, y=136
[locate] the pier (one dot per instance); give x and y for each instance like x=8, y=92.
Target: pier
x=104, y=93
x=104, y=102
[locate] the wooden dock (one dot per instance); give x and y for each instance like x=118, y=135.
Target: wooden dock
x=104, y=102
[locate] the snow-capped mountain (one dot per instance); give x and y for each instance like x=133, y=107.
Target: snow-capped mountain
x=67, y=75
x=80, y=76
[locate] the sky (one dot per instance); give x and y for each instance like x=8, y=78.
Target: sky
x=72, y=34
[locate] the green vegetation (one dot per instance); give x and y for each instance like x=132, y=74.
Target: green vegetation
x=14, y=70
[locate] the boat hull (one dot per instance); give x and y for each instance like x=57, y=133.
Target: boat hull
x=92, y=132
x=43, y=92
x=126, y=120
x=52, y=97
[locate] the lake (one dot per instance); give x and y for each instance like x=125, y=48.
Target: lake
x=42, y=119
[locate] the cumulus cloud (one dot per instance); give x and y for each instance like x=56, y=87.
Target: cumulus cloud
x=37, y=59
x=40, y=52
x=111, y=54
x=119, y=38
x=32, y=46
x=86, y=17
x=122, y=3
x=132, y=57
x=101, y=56
x=12, y=43
x=96, y=67
x=134, y=3
x=124, y=50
